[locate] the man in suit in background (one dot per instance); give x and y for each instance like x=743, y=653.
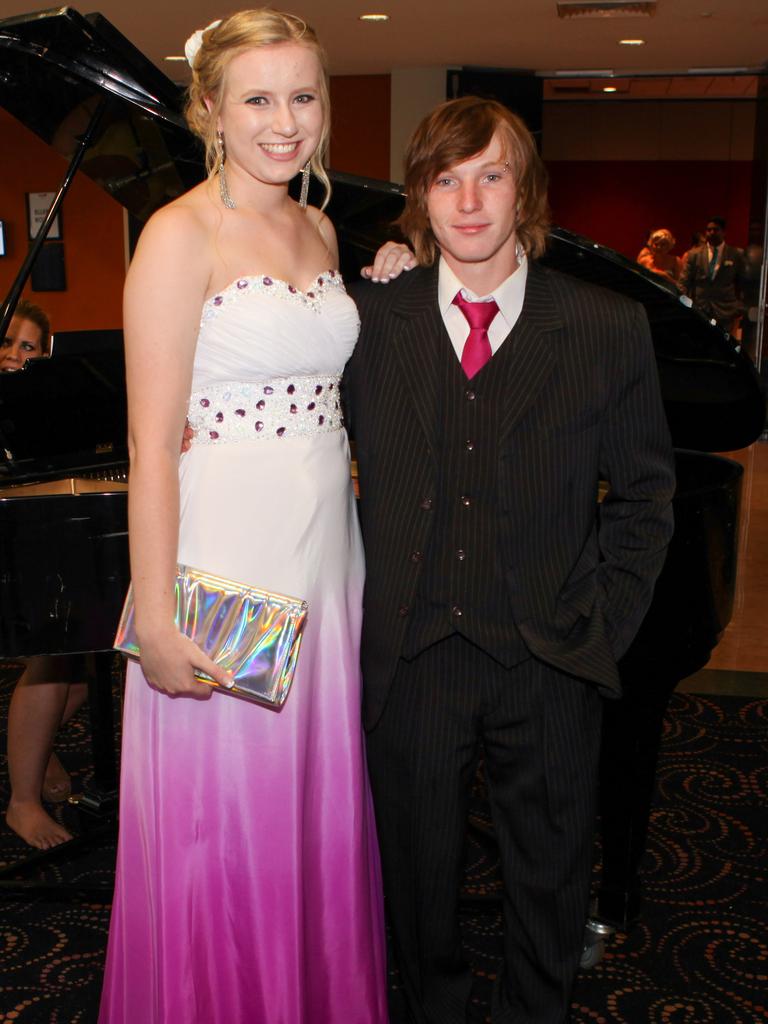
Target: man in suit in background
x=713, y=275
x=488, y=397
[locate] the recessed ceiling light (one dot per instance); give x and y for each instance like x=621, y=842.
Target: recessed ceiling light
x=609, y=88
x=373, y=17
x=744, y=70
x=631, y=42
x=174, y=58
x=606, y=8
x=586, y=73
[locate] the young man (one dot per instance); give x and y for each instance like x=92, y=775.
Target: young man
x=488, y=396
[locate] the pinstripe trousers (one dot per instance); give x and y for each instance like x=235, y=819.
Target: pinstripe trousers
x=538, y=730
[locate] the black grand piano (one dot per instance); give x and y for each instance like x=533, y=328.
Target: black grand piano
x=63, y=551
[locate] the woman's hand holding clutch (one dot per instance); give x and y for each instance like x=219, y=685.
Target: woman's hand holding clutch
x=169, y=661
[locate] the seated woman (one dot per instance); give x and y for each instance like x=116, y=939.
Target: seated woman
x=657, y=255
x=28, y=337
x=45, y=695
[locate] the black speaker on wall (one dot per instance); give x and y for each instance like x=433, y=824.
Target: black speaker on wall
x=521, y=91
x=48, y=273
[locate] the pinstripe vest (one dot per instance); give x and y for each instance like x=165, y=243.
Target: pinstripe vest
x=462, y=588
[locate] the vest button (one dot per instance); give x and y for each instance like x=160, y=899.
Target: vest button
x=426, y=504
x=469, y=445
x=461, y=554
x=403, y=610
x=456, y=612
x=415, y=556
x=466, y=501
x=469, y=394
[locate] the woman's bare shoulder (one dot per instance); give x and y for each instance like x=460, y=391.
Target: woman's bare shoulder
x=186, y=220
x=324, y=227
x=320, y=219
x=174, y=251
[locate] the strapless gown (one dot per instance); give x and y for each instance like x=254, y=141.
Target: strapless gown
x=248, y=886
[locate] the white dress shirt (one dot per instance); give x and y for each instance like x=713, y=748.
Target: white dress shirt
x=508, y=296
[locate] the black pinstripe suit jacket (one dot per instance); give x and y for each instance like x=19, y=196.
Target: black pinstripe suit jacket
x=582, y=404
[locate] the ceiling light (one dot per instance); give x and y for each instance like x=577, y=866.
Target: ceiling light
x=606, y=8
x=609, y=88
x=631, y=42
x=743, y=70
x=373, y=17
x=174, y=58
x=585, y=73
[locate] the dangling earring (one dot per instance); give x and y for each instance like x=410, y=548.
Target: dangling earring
x=304, y=186
x=226, y=198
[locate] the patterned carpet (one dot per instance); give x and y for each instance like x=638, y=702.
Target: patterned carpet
x=698, y=956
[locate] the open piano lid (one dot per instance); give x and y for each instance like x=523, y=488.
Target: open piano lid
x=58, y=65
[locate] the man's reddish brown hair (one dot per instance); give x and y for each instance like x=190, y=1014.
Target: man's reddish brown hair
x=454, y=132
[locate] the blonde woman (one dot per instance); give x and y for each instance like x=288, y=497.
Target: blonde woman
x=248, y=883
x=657, y=255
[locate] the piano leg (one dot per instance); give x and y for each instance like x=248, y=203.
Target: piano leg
x=100, y=796
x=691, y=607
x=631, y=738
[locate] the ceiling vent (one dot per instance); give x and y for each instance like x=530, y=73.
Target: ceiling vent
x=606, y=8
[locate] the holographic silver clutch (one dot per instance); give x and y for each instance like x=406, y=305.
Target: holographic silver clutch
x=252, y=633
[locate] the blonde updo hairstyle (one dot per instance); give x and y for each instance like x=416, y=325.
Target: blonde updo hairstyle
x=239, y=32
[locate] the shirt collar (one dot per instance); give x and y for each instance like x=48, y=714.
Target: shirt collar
x=508, y=295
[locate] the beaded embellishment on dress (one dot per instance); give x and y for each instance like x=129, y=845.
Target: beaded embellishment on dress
x=311, y=298
x=287, y=407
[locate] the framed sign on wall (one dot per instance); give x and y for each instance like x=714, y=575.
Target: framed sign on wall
x=38, y=204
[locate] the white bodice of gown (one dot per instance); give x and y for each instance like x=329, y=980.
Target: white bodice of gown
x=269, y=357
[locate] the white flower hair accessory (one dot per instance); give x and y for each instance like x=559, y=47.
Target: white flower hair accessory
x=195, y=41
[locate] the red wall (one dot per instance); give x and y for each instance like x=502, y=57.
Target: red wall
x=361, y=124
x=618, y=202
x=92, y=231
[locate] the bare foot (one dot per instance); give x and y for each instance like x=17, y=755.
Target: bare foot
x=57, y=785
x=35, y=827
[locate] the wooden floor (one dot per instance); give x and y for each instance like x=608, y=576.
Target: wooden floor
x=739, y=663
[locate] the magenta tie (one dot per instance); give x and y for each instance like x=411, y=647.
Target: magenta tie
x=477, y=347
